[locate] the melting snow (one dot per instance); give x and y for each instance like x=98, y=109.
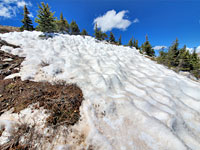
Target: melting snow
x=130, y=101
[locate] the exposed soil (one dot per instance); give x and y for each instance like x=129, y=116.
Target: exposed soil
x=9, y=64
x=6, y=29
x=62, y=101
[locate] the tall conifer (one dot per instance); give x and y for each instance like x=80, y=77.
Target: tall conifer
x=27, y=22
x=46, y=19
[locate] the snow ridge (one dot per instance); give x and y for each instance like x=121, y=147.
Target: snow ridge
x=130, y=101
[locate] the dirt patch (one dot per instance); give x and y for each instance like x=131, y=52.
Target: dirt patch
x=9, y=64
x=62, y=101
x=6, y=29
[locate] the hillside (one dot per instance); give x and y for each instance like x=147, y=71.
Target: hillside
x=6, y=29
x=130, y=102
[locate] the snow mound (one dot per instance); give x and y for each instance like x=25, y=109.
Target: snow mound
x=130, y=101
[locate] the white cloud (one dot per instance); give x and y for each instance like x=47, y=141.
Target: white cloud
x=30, y=15
x=9, y=8
x=136, y=20
x=21, y=4
x=4, y=11
x=192, y=49
x=198, y=49
x=159, y=47
x=112, y=20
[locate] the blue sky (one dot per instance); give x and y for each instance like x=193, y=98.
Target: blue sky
x=162, y=20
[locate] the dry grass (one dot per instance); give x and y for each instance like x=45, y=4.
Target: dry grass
x=62, y=101
x=6, y=29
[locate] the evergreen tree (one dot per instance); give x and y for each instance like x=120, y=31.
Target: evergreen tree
x=84, y=32
x=104, y=36
x=194, y=61
x=120, y=40
x=27, y=22
x=172, y=54
x=62, y=25
x=147, y=48
x=136, y=45
x=112, y=38
x=74, y=29
x=45, y=20
x=99, y=35
x=130, y=43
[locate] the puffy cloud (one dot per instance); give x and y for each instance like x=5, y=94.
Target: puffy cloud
x=198, y=49
x=136, y=20
x=112, y=20
x=21, y=4
x=5, y=11
x=192, y=49
x=159, y=47
x=9, y=8
x=30, y=15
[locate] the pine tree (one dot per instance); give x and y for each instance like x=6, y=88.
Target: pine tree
x=120, y=40
x=172, y=54
x=130, y=43
x=112, y=38
x=27, y=22
x=84, y=32
x=194, y=60
x=97, y=32
x=104, y=36
x=136, y=45
x=62, y=25
x=74, y=29
x=99, y=35
x=195, y=64
x=147, y=48
x=45, y=20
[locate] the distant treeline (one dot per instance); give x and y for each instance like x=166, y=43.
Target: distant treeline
x=174, y=58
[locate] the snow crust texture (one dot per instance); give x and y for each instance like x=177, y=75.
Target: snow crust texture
x=130, y=101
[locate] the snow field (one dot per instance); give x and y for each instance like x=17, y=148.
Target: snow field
x=130, y=101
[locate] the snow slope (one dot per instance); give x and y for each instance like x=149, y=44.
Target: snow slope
x=130, y=101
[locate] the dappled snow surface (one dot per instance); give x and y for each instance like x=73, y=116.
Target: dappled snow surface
x=130, y=101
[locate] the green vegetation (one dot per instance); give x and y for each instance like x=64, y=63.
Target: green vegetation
x=146, y=48
x=62, y=25
x=99, y=35
x=112, y=38
x=84, y=32
x=130, y=43
x=27, y=22
x=120, y=40
x=46, y=19
x=74, y=29
x=180, y=59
